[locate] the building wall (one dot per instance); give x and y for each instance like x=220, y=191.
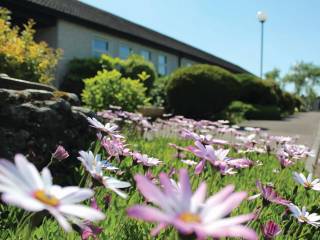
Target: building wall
x=187, y=62
x=76, y=42
x=48, y=34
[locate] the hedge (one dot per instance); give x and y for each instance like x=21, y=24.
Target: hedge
x=199, y=91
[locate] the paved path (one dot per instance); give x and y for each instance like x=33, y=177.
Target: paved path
x=303, y=124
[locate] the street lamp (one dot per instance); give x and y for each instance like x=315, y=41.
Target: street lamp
x=262, y=17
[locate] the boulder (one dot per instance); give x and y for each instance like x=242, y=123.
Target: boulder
x=34, y=122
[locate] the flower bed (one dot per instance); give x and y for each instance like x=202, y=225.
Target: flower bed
x=178, y=174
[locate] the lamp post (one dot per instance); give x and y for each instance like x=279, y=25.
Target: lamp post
x=262, y=17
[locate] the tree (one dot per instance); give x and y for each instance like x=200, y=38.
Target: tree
x=306, y=80
x=304, y=76
x=274, y=75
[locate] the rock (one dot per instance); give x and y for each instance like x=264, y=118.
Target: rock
x=34, y=122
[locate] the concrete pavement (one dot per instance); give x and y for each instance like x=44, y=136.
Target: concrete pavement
x=304, y=125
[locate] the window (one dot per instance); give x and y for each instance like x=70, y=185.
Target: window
x=99, y=46
x=162, y=64
x=146, y=54
x=124, y=51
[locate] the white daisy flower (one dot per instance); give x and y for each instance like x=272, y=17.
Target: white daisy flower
x=308, y=183
x=108, y=128
x=95, y=167
x=23, y=186
x=145, y=160
x=303, y=216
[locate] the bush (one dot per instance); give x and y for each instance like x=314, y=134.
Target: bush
x=110, y=88
x=79, y=69
x=256, y=91
x=264, y=112
x=109, y=63
x=135, y=65
x=83, y=68
x=158, y=93
x=201, y=90
x=290, y=103
x=236, y=111
x=20, y=56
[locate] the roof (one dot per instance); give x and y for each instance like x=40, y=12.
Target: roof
x=78, y=11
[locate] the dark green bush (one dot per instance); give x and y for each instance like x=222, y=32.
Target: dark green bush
x=264, y=112
x=110, y=88
x=236, y=111
x=201, y=90
x=79, y=69
x=135, y=65
x=256, y=91
x=288, y=103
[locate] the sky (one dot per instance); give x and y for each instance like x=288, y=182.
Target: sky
x=229, y=28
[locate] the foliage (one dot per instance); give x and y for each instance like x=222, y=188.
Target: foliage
x=264, y=112
x=82, y=68
x=109, y=63
x=256, y=91
x=158, y=92
x=274, y=75
x=79, y=69
x=20, y=56
x=304, y=76
x=201, y=90
x=135, y=65
x=236, y=111
x=110, y=88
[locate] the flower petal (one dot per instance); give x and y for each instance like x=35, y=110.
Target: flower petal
x=149, y=214
x=23, y=201
x=82, y=212
x=151, y=192
x=198, y=197
x=61, y=220
x=78, y=196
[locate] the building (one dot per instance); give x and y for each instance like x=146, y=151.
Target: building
x=84, y=31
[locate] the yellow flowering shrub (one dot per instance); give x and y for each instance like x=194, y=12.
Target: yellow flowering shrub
x=20, y=56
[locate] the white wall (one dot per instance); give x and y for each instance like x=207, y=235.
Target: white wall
x=76, y=42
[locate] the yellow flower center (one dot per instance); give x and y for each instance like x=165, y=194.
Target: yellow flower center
x=308, y=185
x=303, y=219
x=46, y=198
x=189, y=217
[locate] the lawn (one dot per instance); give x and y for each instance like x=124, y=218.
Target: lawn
x=156, y=142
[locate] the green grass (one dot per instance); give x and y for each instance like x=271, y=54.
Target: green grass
x=118, y=226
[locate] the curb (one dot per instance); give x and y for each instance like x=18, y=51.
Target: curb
x=312, y=161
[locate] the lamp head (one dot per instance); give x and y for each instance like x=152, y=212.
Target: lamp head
x=262, y=17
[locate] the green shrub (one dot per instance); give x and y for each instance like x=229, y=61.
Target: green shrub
x=236, y=111
x=290, y=103
x=110, y=88
x=135, y=65
x=79, y=69
x=256, y=91
x=109, y=63
x=22, y=57
x=201, y=90
x=158, y=93
x=264, y=112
